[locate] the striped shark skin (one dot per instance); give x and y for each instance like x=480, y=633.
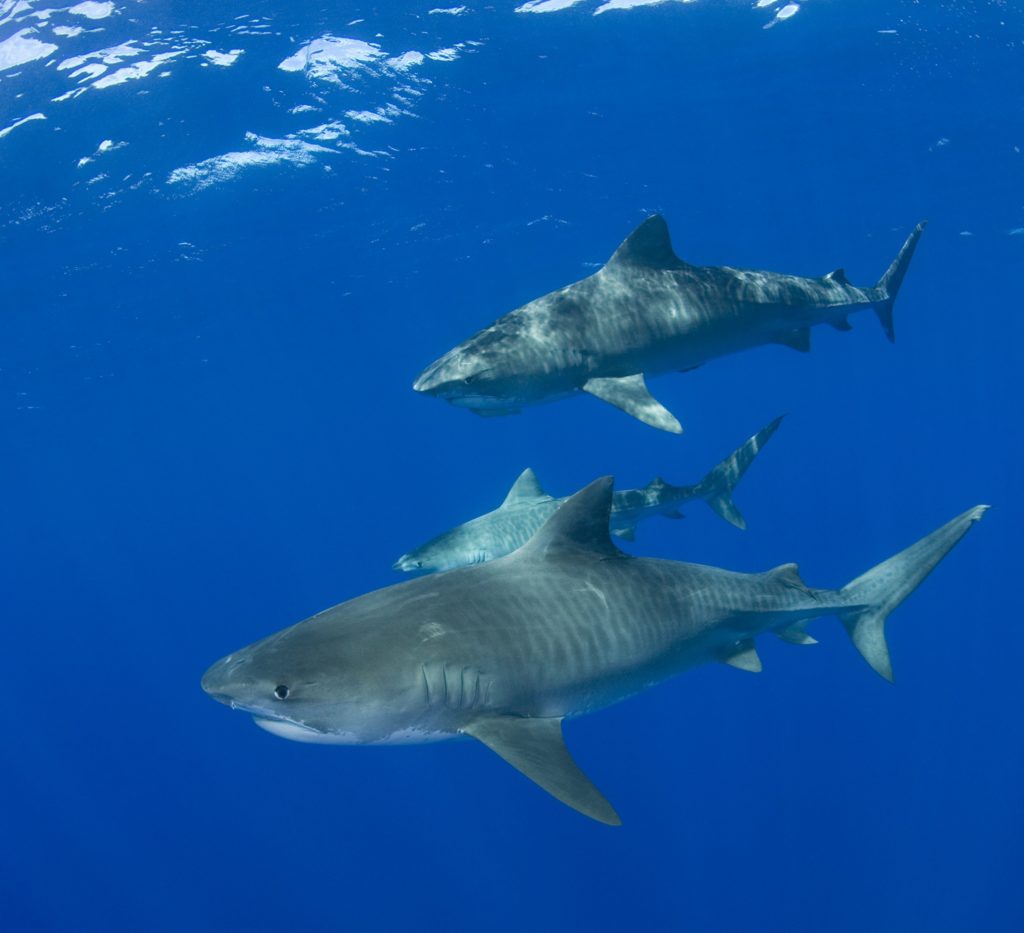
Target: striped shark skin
x=504, y=652
x=527, y=507
x=645, y=312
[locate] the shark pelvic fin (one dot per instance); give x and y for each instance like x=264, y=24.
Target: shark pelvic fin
x=535, y=747
x=526, y=487
x=797, y=339
x=743, y=655
x=648, y=245
x=631, y=395
x=796, y=635
x=580, y=524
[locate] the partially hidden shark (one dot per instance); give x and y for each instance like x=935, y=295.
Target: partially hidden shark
x=645, y=312
x=527, y=507
x=505, y=651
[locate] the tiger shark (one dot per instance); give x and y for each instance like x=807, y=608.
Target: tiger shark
x=646, y=311
x=527, y=507
x=504, y=652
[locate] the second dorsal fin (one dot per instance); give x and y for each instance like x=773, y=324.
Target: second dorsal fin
x=579, y=526
x=526, y=487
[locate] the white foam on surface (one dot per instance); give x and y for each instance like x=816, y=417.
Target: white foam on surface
x=90, y=9
x=367, y=116
x=323, y=58
x=546, y=6
x=444, y=55
x=224, y=59
x=449, y=11
x=136, y=71
x=266, y=151
x=110, y=56
x=630, y=4
x=326, y=132
x=406, y=60
x=68, y=31
x=10, y=129
x=21, y=48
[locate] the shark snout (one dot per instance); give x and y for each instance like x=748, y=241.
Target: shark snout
x=407, y=563
x=221, y=680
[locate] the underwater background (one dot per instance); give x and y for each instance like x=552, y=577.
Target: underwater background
x=232, y=235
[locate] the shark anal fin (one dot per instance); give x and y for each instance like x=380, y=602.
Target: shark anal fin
x=743, y=656
x=631, y=395
x=535, y=747
x=841, y=323
x=796, y=339
x=673, y=513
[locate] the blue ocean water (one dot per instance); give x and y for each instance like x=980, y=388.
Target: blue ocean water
x=222, y=273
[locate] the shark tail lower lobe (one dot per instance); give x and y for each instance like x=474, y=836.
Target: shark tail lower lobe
x=873, y=595
x=717, y=486
x=889, y=284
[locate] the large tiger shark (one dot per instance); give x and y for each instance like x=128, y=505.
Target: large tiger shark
x=505, y=651
x=527, y=507
x=644, y=312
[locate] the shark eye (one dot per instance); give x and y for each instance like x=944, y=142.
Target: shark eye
x=281, y=692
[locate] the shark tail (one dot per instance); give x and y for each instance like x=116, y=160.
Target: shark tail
x=717, y=486
x=873, y=595
x=889, y=284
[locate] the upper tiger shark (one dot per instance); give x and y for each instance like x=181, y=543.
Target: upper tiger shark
x=527, y=507
x=505, y=651
x=646, y=311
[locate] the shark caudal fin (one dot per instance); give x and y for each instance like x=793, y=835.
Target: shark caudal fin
x=889, y=284
x=716, y=488
x=875, y=594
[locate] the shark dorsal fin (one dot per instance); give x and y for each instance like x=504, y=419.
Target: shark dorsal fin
x=648, y=245
x=787, y=575
x=838, y=276
x=579, y=525
x=526, y=487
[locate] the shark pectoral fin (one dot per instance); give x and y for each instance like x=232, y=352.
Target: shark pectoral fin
x=535, y=747
x=627, y=534
x=630, y=394
x=796, y=339
x=744, y=656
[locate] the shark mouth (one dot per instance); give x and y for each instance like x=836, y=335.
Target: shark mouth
x=297, y=732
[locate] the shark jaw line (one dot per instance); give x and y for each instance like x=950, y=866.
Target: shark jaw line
x=297, y=732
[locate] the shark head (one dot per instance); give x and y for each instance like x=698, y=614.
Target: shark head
x=469, y=377
x=463, y=545
x=512, y=363
x=299, y=685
